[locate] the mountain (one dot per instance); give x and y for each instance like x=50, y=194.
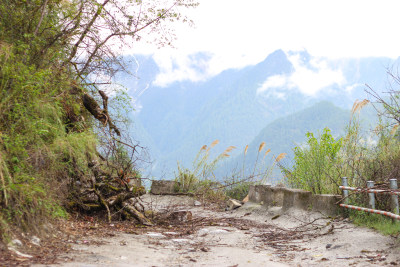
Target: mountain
x=283, y=134
x=176, y=120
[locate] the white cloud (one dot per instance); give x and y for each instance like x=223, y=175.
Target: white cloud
x=178, y=68
x=275, y=81
x=351, y=87
x=238, y=33
x=308, y=79
x=311, y=80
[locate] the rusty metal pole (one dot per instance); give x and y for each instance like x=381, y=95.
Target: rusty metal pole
x=370, y=184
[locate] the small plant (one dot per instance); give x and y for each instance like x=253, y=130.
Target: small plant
x=186, y=180
x=378, y=222
x=201, y=179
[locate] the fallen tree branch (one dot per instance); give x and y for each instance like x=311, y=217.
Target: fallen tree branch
x=100, y=114
x=136, y=214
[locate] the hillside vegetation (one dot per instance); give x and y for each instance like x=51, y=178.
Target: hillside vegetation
x=62, y=144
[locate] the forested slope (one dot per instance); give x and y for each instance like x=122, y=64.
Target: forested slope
x=62, y=141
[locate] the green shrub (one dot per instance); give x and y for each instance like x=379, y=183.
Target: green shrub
x=314, y=164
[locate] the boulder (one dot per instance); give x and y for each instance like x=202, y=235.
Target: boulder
x=232, y=204
x=164, y=187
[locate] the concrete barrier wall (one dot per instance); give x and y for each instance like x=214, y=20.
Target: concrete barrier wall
x=164, y=187
x=288, y=198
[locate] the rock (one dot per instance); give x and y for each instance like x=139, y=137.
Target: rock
x=16, y=243
x=155, y=235
x=162, y=187
x=275, y=217
x=180, y=216
x=232, y=204
x=205, y=231
x=170, y=233
x=331, y=246
x=197, y=203
x=20, y=254
x=35, y=240
x=246, y=199
x=180, y=240
x=204, y=249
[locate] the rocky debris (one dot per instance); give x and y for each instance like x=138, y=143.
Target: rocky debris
x=232, y=204
x=197, y=203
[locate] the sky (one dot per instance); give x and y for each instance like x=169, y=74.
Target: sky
x=234, y=34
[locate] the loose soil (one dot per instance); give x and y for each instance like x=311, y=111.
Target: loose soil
x=249, y=236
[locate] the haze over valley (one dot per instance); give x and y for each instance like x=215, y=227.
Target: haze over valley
x=277, y=100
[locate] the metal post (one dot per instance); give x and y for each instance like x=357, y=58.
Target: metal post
x=345, y=192
x=370, y=184
x=395, y=198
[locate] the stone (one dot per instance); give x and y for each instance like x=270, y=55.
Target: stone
x=135, y=182
x=164, y=187
x=155, y=235
x=35, y=240
x=232, y=204
x=20, y=254
x=16, y=243
x=180, y=240
x=180, y=216
x=197, y=203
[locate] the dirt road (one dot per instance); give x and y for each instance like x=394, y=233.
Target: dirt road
x=248, y=236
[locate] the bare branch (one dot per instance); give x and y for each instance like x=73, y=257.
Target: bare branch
x=41, y=18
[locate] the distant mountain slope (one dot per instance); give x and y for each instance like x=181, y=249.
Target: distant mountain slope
x=283, y=134
x=176, y=120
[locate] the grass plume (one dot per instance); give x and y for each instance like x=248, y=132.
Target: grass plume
x=229, y=149
x=267, y=152
x=359, y=105
x=280, y=157
x=261, y=147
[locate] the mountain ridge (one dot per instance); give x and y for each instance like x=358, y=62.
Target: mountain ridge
x=181, y=117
